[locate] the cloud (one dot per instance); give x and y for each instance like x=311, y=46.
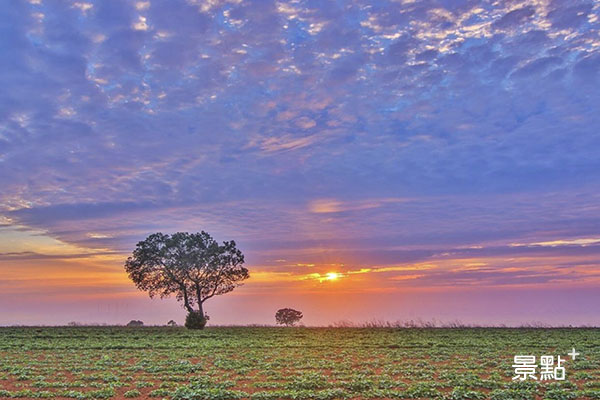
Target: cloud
x=319, y=133
x=567, y=16
x=515, y=17
x=562, y=242
x=334, y=206
x=29, y=255
x=283, y=143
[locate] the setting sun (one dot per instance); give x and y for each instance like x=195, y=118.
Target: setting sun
x=332, y=276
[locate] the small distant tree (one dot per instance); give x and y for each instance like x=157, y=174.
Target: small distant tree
x=287, y=316
x=192, y=266
x=135, y=322
x=171, y=323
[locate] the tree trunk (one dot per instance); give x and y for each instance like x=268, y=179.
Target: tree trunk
x=199, y=295
x=200, y=310
x=186, y=300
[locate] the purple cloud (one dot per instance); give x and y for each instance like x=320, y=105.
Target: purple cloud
x=118, y=119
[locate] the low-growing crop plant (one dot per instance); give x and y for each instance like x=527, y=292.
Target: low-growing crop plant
x=273, y=363
x=132, y=393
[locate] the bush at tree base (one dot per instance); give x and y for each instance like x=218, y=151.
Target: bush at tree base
x=195, y=320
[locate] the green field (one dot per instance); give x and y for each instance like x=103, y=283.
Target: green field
x=290, y=363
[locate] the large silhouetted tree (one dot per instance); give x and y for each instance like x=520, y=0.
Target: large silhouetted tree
x=192, y=266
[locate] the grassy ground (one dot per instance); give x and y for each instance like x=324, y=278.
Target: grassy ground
x=290, y=363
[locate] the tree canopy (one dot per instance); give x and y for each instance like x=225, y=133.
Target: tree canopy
x=192, y=266
x=288, y=316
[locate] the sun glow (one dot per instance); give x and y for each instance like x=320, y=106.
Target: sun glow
x=332, y=276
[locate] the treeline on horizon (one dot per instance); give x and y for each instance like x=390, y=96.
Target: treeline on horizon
x=372, y=324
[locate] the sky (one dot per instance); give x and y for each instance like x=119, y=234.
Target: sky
x=440, y=158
